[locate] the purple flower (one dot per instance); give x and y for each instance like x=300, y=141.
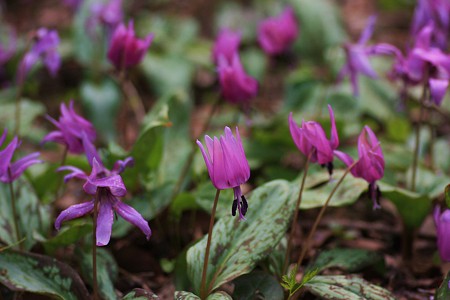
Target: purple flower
x=358, y=57
x=442, y=222
x=276, y=34
x=370, y=165
x=73, y=4
x=236, y=85
x=11, y=171
x=126, y=50
x=44, y=48
x=109, y=14
x=8, y=44
x=227, y=166
x=107, y=186
x=71, y=128
x=311, y=139
x=226, y=44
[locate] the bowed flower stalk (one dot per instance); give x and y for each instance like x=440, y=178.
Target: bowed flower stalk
x=106, y=186
x=312, y=141
x=228, y=168
x=276, y=34
x=126, y=51
x=442, y=222
x=10, y=171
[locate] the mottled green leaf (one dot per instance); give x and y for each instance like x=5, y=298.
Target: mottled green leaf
x=140, y=294
x=443, y=292
x=40, y=274
x=257, y=285
x=237, y=246
x=107, y=270
x=341, y=287
x=351, y=260
x=182, y=295
x=275, y=261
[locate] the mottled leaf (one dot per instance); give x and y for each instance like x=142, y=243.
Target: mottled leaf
x=140, y=294
x=237, y=246
x=257, y=285
x=40, y=274
x=182, y=295
x=68, y=235
x=341, y=287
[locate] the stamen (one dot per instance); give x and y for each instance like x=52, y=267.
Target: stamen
x=244, y=205
x=234, y=207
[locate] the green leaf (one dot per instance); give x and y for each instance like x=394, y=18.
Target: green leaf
x=275, y=261
x=347, y=193
x=107, y=270
x=257, y=285
x=412, y=207
x=182, y=295
x=33, y=217
x=40, y=274
x=103, y=96
x=349, y=287
x=140, y=294
x=443, y=292
x=350, y=260
x=447, y=195
x=68, y=235
x=237, y=246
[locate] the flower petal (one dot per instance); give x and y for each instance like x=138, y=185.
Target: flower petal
x=132, y=216
x=105, y=220
x=73, y=212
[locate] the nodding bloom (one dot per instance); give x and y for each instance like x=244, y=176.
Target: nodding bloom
x=276, y=34
x=236, y=85
x=227, y=166
x=106, y=186
x=10, y=171
x=71, y=128
x=44, y=48
x=370, y=165
x=109, y=14
x=442, y=222
x=358, y=54
x=8, y=44
x=126, y=50
x=311, y=139
x=226, y=44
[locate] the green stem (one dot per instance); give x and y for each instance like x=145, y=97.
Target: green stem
x=417, y=140
x=203, y=291
x=14, y=211
x=131, y=93
x=294, y=221
x=320, y=215
x=60, y=179
x=94, y=247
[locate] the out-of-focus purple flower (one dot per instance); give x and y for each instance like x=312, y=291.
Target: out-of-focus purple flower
x=71, y=128
x=8, y=44
x=357, y=56
x=236, y=85
x=73, y=4
x=126, y=50
x=311, y=139
x=107, y=186
x=10, y=171
x=227, y=166
x=226, y=44
x=44, y=48
x=276, y=34
x=370, y=165
x=109, y=14
x=436, y=12
x=442, y=222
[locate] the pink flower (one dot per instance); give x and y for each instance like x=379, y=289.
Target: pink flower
x=126, y=50
x=311, y=138
x=227, y=166
x=276, y=34
x=236, y=85
x=370, y=165
x=226, y=44
x=442, y=222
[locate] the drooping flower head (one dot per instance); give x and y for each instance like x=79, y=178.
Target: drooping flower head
x=442, y=222
x=71, y=128
x=226, y=44
x=107, y=186
x=227, y=166
x=276, y=34
x=357, y=57
x=126, y=50
x=10, y=171
x=370, y=165
x=109, y=14
x=236, y=85
x=310, y=139
x=45, y=49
